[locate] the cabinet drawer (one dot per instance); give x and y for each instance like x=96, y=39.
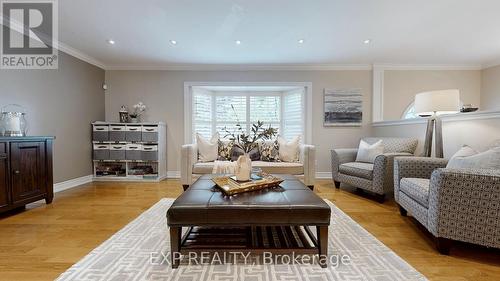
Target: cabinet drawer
x=101, y=151
x=134, y=152
x=150, y=133
x=117, y=151
x=117, y=133
x=100, y=133
x=133, y=133
x=150, y=152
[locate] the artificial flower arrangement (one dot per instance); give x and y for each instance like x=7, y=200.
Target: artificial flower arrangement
x=139, y=109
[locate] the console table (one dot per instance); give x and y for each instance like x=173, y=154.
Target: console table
x=25, y=171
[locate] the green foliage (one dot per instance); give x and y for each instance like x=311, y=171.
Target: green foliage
x=248, y=141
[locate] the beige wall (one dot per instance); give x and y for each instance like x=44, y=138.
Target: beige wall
x=479, y=134
x=163, y=93
x=400, y=87
x=490, y=88
x=60, y=103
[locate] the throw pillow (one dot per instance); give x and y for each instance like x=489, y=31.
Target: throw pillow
x=368, y=152
x=224, y=153
x=465, y=158
x=269, y=151
x=207, y=149
x=289, y=151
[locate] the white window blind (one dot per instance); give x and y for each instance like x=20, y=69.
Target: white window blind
x=266, y=109
x=215, y=111
x=293, y=114
x=202, y=115
x=230, y=110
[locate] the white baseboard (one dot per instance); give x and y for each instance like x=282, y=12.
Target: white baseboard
x=324, y=175
x=65, y=185
x=173, y=174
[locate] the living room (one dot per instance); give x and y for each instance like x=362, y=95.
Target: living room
x=122, y=142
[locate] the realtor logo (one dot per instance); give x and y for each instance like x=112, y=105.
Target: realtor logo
x=29, y=34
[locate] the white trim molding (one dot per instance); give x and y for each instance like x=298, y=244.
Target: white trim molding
x=245, y=67
x=479, y=115
x=173, y=174
x=65, y=185
x=389, y=66
x=324, y=175
x=188, y=101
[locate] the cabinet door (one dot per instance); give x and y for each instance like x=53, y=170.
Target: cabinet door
x=4, y=176
x=27, y=170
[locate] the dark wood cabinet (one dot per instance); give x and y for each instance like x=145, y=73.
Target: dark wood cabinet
x=25, y=171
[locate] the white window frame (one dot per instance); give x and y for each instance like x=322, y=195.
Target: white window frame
x=188, y=101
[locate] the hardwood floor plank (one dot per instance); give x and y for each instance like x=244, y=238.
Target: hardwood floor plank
x=42, y=241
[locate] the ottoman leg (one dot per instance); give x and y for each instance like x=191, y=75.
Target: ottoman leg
x=175, y=246
x=185, y=186
x=322, y=234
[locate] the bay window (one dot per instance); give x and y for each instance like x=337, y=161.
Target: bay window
x=219, y=110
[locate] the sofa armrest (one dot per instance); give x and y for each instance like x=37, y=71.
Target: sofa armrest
x=465, y=203
x=189, y=156
x=341, y=156
x=383, y=171
x=307, y=156
x=414, y=167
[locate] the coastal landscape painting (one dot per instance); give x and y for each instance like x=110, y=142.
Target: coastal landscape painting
x=343, y=107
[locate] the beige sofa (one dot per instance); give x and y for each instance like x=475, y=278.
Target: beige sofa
x=306, y=167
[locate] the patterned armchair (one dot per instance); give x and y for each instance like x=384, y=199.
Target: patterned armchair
x=377, y=177
x=453, y=204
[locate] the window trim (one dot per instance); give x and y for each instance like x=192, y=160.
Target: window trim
x=188, y=101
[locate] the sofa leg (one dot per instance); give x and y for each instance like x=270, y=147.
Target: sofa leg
x=380, y=198
x=443, y=245
x=402, y=211
x=337, y=184
x=311, y=187
x=185, y=186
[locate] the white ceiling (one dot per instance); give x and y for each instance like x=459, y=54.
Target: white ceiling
x=430, y=32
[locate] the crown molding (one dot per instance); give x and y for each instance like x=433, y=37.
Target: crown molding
x=491, y=64
x=388, y=66
x=57, y=44
x=245, y=67
x=80, y=55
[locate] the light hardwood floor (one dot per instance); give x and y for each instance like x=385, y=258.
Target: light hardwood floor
x=42, y=241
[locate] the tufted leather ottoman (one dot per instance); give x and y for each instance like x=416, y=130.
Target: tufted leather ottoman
x=280, y=216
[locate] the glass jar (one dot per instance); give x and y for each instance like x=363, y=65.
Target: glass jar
x=13, y=122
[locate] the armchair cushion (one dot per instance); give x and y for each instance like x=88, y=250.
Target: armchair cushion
x=357, y=169
x=417, y=189
x=391, y=145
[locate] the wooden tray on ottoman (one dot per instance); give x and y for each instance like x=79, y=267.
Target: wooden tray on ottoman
x=230, y=186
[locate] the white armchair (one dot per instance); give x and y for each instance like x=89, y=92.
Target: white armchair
x=306, y=166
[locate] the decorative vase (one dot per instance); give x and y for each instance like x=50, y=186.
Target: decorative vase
x=134, y=119
x=243, y=168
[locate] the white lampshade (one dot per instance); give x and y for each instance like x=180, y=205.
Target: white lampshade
x=439, y=102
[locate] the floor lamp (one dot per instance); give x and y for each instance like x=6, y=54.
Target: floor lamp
x=433, y=104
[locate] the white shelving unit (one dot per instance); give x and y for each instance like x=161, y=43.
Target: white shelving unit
x=129, y=151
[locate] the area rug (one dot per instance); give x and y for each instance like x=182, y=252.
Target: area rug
x=133, y=253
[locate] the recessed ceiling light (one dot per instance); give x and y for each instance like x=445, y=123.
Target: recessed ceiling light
x=111, y=41
x=238, y=42
x=367, y=41
x=173, y=42
x=301, y=41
